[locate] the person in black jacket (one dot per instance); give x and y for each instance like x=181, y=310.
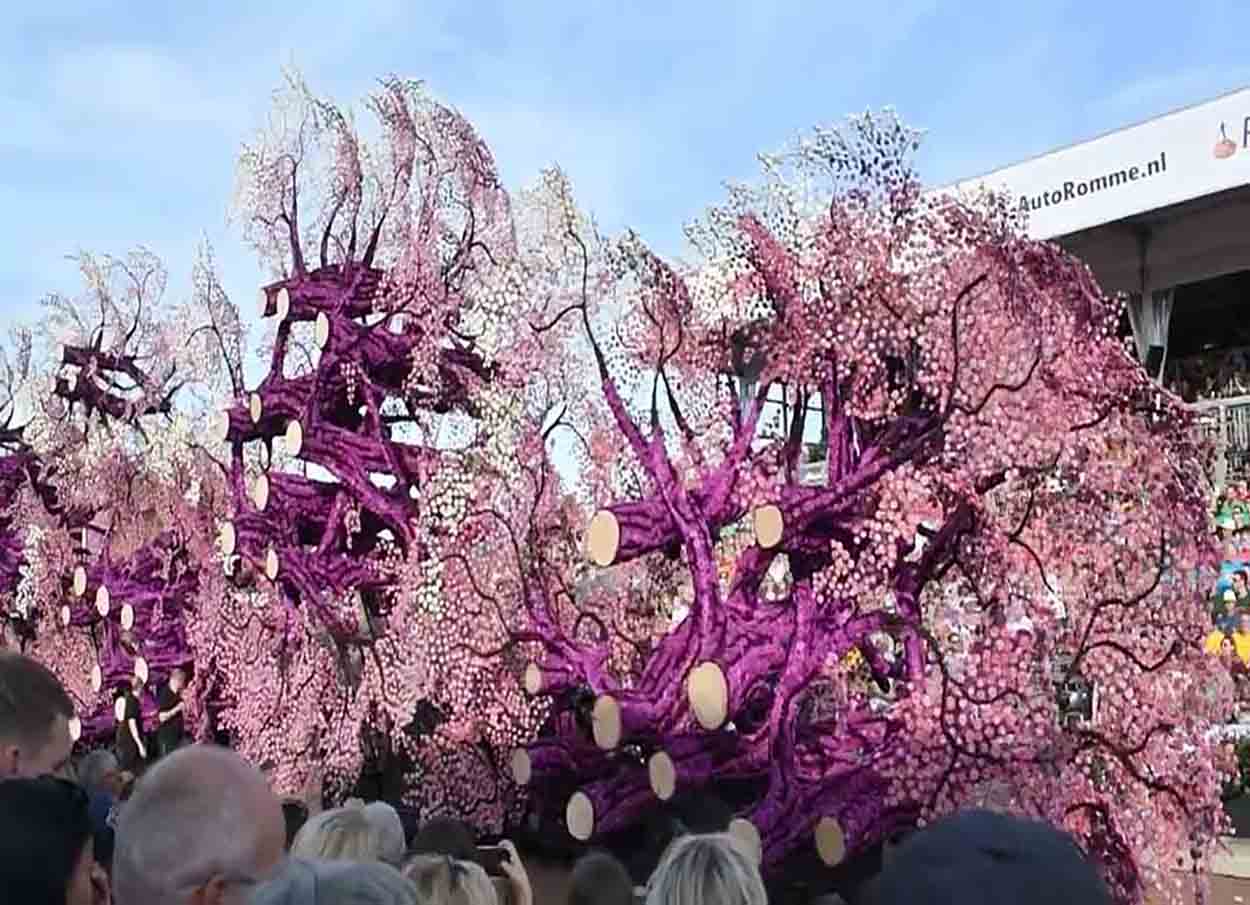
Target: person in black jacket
x=47, y=849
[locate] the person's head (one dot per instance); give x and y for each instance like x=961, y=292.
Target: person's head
x=201, y=827
x=1243, y=623
x=335, y=883
x=445, y=836
x=47, y=850
x=599, y=879
x=443, y=880
x=34, y=719
x=295, y=814
x=1241, y=582
x=340, y=834
x=99, y=772
x=981, y=857
x=389, y=829
x=1227, y=648
x=714, y=869
x=1228, y=603
x=178, y=680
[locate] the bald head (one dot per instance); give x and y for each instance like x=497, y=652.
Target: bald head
x=202, y=824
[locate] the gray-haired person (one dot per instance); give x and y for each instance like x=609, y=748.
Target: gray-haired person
x=715, y=869
x=99, y=773
x=335, y=883
x=202, y=827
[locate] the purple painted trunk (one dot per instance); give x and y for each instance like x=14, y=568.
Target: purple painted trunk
x=153, y=590
x=769, y=654
x=323, y=542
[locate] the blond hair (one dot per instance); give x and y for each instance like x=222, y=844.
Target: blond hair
x=707, y=870
x=340, y=834
x=442, y=880
x=390, y=829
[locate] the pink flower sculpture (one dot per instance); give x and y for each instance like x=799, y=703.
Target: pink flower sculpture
x=1008, y=514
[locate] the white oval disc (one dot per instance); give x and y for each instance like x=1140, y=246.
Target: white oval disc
x=102, y=600
x=294, y=438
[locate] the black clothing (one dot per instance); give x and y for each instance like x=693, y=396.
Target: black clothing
x=169, y=733
x=126, y=748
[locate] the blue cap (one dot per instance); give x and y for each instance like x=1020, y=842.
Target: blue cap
x=984, y=858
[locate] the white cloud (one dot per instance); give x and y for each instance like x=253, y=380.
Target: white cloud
x=599, y=153
x=139, y=84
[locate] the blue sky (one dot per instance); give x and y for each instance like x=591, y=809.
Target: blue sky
x=122, y=120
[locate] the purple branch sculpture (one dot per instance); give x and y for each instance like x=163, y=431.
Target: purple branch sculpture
x=134, y=612
x=321, y=540
x=986, y=519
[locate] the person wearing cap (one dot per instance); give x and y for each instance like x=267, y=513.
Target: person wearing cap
x=981, y=857
x=1225, y=615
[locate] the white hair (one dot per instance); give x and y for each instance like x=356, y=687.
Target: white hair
x=94, y=766
x=390, y=829
x=353, y=832
x=707, y=870
x=192, y=817
x=335, y=883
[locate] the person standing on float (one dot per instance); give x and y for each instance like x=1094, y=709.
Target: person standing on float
x=169, y=707
x=128, y=743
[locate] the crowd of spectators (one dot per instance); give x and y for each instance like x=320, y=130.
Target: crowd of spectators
x=1229, y=637
x=1211, y=375
x=203, y=827
x=1231, y=607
